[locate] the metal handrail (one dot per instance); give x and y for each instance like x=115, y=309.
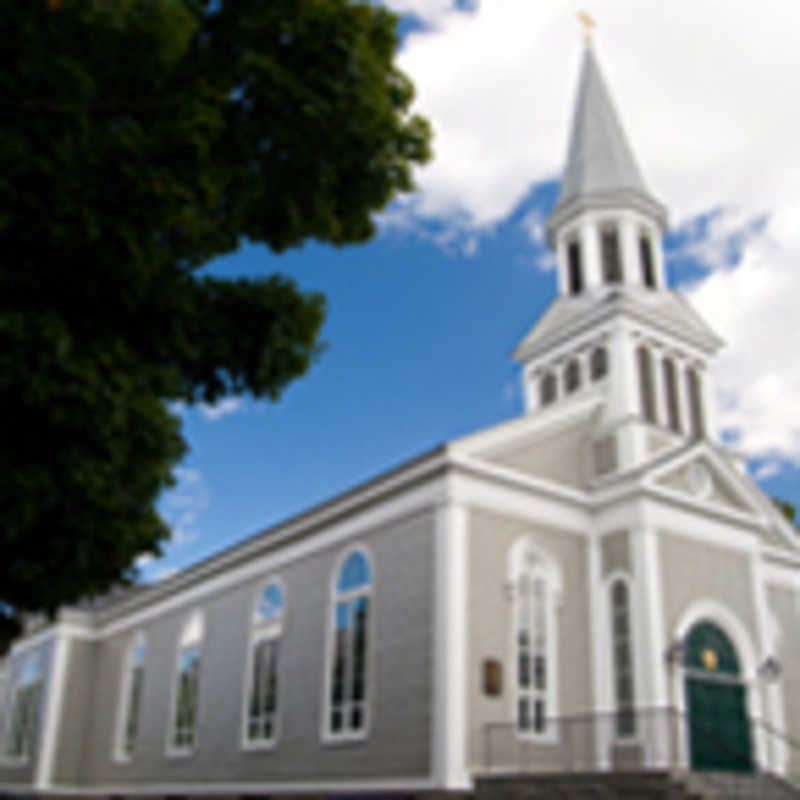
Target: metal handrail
x=658, y=731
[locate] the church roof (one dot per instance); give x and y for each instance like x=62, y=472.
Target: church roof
x=667, y=311
x=601, y=169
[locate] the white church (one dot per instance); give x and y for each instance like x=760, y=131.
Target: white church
x=591, y=599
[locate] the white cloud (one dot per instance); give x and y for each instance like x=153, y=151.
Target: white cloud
x=183, y=506
x=768, y=469
x=222, y=408
x=706, y=96
x=753, y=306
x=144, y=560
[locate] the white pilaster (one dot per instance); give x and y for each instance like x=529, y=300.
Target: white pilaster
x=631, y=274
x=650, y=644
x=598, y=636
x=450, y=656
x=51, y=717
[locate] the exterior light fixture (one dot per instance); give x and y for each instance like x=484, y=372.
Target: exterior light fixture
x=675, y=652
x=770, y=669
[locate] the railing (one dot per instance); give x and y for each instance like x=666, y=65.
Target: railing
x=734, y=766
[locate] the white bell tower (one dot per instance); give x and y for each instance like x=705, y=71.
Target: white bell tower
x=616, y=331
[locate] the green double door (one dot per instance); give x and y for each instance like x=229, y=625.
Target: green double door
x=719, y=728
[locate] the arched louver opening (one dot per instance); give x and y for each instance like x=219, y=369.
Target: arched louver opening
x=646, y=392
x=547, y=389
x=572, y=376
x=598, y=363
x=574, y=268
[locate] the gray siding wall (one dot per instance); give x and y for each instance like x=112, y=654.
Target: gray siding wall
x=489, y=623
x=24, y=773
x=78, y=700
x=399, y=687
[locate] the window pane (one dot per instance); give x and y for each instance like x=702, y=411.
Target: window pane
x=270, y=605
x=360, y=647
x=523, y=714
x=538, y=716
x=354, y=572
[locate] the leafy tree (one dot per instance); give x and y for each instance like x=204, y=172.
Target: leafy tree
x=139, y=139
x=787, y=509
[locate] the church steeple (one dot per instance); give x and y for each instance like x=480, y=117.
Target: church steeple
x=606, y=226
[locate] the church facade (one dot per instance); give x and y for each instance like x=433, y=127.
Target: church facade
x=595, y=586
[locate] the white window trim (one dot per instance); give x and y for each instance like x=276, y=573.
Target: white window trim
x=608, y=605
x=171, y=750
x=554, y=588
x=257, y=634
x=327, y=736
x=123, y=705
x=13, y=690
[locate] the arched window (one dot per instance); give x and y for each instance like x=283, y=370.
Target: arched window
x=547, y=389
x=598, y=363
x=622, y=657
x=132, y=685
x=646, y=394
x=26, y=697
x=262, y=692
x=671, y=390
x=348, y=677
x=536, y=584
x=572, y=376
x=646, y=262
x=574, y=268
x=184, y=718
x=695, y=404
x=610, y=255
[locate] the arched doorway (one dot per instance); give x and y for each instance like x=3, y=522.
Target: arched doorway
x=716, y=701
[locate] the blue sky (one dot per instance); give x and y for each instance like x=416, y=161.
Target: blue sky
x=422, y=319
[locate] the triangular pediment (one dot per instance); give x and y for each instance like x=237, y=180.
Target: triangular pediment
x=705, y=474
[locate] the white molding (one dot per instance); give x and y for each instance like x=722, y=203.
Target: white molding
x=59, y=629
x=212, y=789
x=450, y=699
x=51, y=714
x=327, y=736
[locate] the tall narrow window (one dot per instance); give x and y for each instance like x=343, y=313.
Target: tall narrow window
x=671, y=389
x=695, y=404
x=184, y=720
x=647, y=396
x=534, y=638
x=547, y=389
x=622, y=658
x=598, y=363
x=646, y=261
x=609, y=248
x=25, y=701
x=572, y=376
x=347, y=706
x=132, y=684
x=262, y=708
x=574, y=268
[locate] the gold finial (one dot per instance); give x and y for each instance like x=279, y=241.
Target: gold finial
x=588, y=25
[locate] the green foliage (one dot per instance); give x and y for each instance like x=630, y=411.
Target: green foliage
x=139, y=139
x=787, y=509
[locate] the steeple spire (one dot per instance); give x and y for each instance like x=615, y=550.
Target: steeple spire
x=601, y=170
